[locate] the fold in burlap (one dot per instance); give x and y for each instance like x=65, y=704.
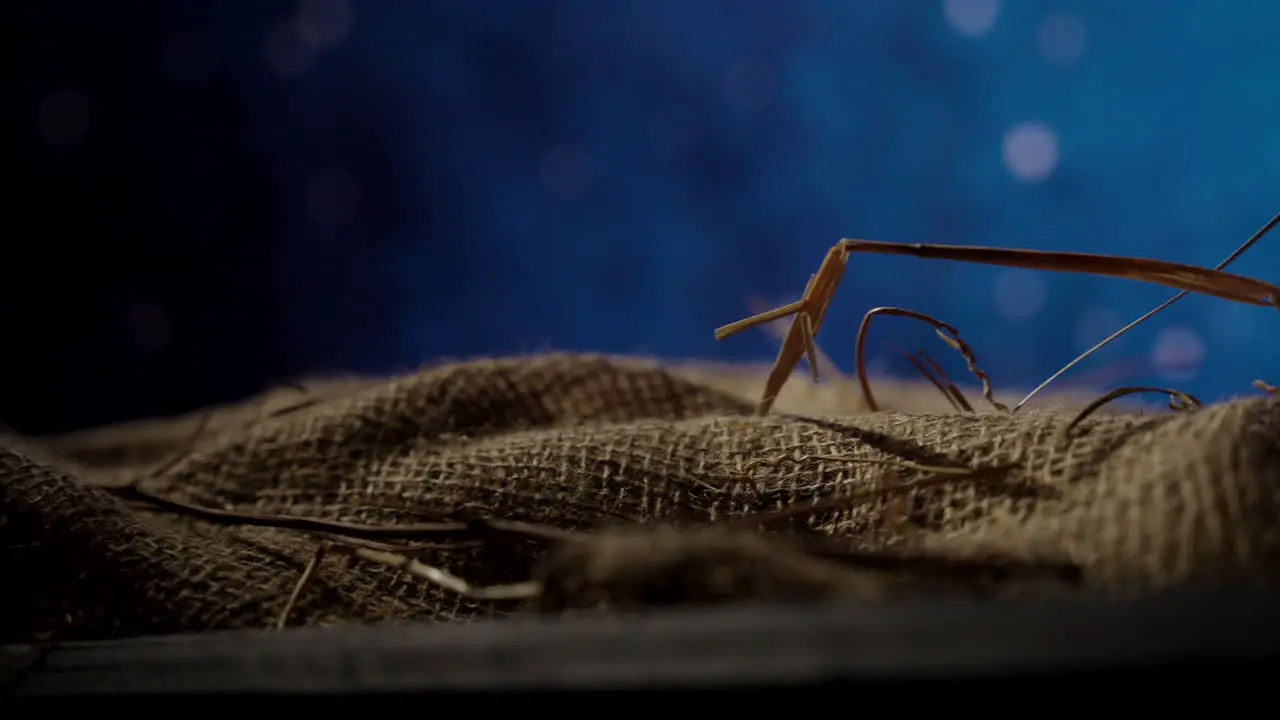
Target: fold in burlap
x=578, y=442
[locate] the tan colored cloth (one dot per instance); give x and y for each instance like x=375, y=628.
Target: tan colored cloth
x=583, y=443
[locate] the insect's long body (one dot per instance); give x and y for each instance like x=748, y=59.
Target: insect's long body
x=1159, y=272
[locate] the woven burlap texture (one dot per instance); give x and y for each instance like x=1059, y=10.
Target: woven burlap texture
x=588, y=442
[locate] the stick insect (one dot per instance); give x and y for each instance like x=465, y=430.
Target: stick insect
x=808, y=312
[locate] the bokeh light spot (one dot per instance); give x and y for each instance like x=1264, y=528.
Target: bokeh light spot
x=326, y=23
x=971, y=18
x=289, y=51
x=1062, y=38
x=1019, y=294
x=1030, y=152
x=1178, y=353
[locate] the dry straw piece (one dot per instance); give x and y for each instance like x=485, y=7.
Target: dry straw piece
x=562, y=482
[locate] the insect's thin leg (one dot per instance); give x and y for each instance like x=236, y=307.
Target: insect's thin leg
x=768, y=316
x=810, y=346
x=807, y=332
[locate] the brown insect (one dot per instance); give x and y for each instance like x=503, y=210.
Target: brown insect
x=808, y=312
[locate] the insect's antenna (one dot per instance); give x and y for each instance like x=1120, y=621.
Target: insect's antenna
x=1229, y=259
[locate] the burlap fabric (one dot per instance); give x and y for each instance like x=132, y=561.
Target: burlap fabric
x=1131, y=501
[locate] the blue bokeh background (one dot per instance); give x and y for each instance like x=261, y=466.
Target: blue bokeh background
x=626, y=175
x=463, y=178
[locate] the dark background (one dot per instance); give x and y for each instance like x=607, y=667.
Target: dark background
x=205, y=198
